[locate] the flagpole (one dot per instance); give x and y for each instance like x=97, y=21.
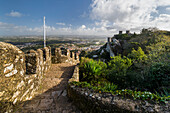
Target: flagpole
x=44, y=34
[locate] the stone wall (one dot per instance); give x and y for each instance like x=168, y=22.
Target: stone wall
x=66, y=57
x=20, y=74
x=90, y=101
x=109, y=49
x=75, y=76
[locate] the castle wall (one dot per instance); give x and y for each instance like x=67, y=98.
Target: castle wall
x=66, y=57
x=109, y=49
x=20, y=74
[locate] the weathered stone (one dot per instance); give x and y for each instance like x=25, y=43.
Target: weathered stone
x=45, y=103
x=24, y=86
x=56, y=93
x=11, y=73
x=100, y=103
x=64, y=93
x=65, y=58
x=8, y=69
x=16, y=94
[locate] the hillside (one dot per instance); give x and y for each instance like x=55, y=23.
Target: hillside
x=152, y=41
x=137, y=61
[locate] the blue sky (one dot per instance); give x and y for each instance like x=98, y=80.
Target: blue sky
x=82, y=17
x=32, y=11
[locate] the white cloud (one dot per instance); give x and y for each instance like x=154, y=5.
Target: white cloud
x=83, y=26
x=14, y=14
x=109, y=17
x=63, y=24
x=129, y=14
x=11, y=29
x=168, y=8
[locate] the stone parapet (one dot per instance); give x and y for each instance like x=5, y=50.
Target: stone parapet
x=75, y=76
x=89, y=101
x=69, y=57
x=31, y=60
x=21, y=74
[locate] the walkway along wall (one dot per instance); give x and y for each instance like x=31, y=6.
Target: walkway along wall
x=20, y=74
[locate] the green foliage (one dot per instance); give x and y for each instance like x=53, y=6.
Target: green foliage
x=109, y=87
x=138, y=55
x=120, y=64
x=159, y=74
x=91, y=70
x=142, y=95
x=145, y=67
x=117, y=69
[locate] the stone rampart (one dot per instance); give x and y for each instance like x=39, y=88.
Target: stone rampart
x=47, y=58
x=65, y=56
x=20, y=74
x=75, y=76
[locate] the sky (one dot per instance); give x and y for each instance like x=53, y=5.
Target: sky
x=82, y=17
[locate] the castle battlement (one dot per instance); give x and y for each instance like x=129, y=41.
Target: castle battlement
x=21, y=74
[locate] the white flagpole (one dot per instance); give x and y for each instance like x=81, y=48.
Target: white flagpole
x=44, y=34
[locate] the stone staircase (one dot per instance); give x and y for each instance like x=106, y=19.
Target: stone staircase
x=52, y=97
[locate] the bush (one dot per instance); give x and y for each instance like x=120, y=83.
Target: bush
x=159, y=74
x=117, y=69
x=142, y=95
x=138, y=56
x=152, y=77
x=91, y=70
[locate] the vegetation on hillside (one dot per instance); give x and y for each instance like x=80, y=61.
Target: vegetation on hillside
x=142, y=71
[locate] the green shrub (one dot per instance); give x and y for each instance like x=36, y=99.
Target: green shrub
x=91, y=70
x=109, y=87
x=159, y=74
x=153, y=77
x=142, y=95
x=138, y=56
x=117, y=69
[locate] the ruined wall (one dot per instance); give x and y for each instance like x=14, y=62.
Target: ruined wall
x=68, y=57
x=20, y=74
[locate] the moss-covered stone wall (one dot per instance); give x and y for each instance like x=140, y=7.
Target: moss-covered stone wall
x=20, y=74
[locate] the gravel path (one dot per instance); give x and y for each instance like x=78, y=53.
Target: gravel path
x=53, y=96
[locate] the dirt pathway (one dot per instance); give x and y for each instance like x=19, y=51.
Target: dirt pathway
x=53, y=96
